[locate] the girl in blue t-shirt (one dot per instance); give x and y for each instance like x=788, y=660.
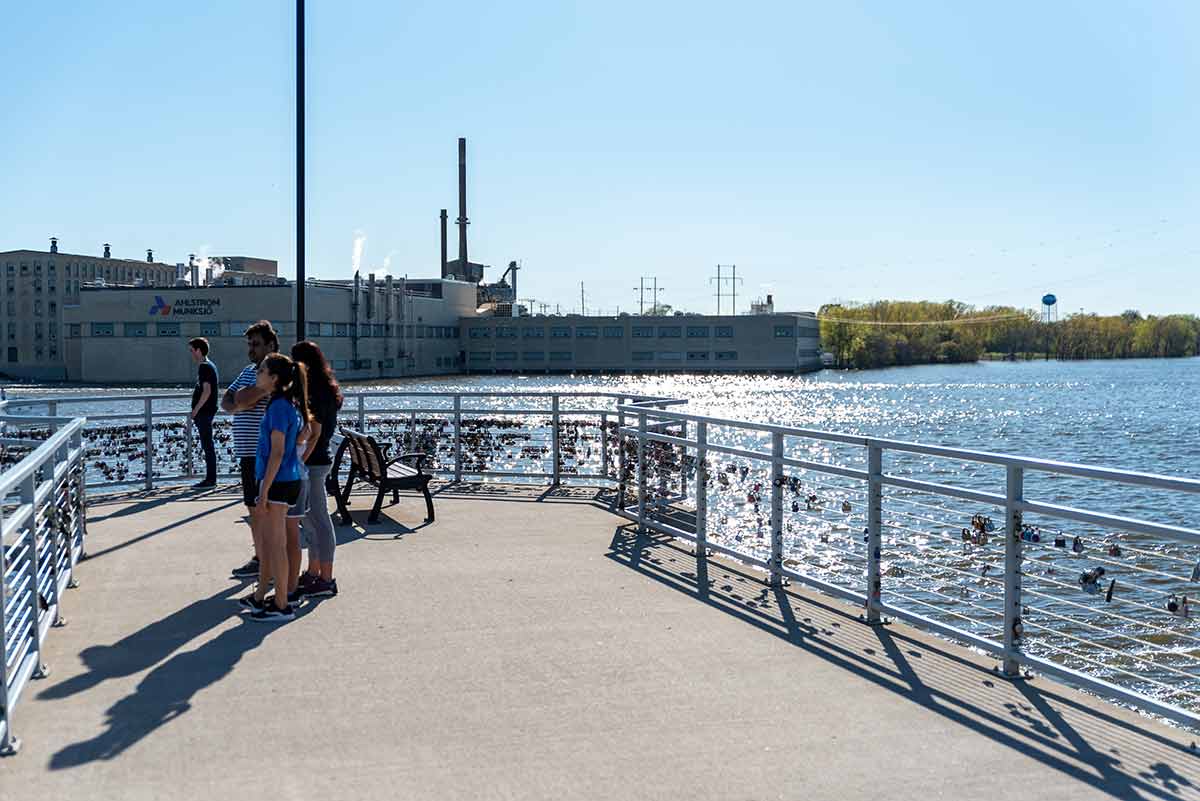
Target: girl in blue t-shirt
x=279, y=471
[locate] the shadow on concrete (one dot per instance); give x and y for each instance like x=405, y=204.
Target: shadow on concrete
x=522, y=493
x=1112, y=755
x=207, y=510
x=147, y=646
x=167, y=691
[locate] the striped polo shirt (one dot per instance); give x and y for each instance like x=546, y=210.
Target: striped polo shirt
x=245, y=424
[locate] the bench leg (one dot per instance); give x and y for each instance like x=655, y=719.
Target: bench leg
x=374, y=518
x=395, y=496
x=428, y=503
x=343, y=499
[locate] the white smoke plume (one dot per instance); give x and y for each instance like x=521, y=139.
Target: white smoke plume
x=356, y=254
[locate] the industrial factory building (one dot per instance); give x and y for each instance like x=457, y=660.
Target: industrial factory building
x=368, y=329
x=765, y=343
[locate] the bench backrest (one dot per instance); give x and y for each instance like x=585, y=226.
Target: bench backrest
x=365, y=453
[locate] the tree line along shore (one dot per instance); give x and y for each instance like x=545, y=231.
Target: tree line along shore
x=890, y=333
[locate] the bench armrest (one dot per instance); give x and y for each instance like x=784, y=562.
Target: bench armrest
x=421, y=458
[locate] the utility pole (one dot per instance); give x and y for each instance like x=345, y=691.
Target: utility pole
x=641, y=290
x=301, y=333
x=582, y=304
x=721, y=281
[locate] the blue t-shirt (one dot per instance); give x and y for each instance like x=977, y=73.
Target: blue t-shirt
x=282, y=416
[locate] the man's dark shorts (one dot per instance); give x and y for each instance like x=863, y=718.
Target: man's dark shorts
x=249, y=482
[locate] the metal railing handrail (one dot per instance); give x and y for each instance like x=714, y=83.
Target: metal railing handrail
x=962, y=454
x=42, y=535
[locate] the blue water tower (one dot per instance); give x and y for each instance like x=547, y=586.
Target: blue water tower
x=1049, y=308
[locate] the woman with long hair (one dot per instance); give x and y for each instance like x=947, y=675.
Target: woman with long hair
x=325, y=399
x=279, y=471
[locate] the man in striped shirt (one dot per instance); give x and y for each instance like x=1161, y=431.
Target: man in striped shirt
x=248, y=403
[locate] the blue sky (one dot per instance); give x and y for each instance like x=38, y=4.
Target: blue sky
x=830, y=150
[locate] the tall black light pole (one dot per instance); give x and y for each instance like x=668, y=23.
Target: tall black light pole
x=300, y=279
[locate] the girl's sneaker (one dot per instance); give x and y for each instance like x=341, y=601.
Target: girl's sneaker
x=272, y=614
x=319, y=588
x=252, y=603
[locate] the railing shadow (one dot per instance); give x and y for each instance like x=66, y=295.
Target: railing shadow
x=1114, y=756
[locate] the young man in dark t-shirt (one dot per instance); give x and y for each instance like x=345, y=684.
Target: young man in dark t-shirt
x=204, y=407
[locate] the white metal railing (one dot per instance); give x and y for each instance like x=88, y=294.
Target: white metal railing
x=42, y=531
x=865, y=519
x=148, y=440
x=1123, y=632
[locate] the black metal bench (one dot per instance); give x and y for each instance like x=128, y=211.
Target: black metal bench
x=369, y=462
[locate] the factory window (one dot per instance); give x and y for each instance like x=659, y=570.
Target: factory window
x=534, y=332
x=643, y=331
x=38, y=353
x=726, y=355
x=697, y=331
x=75, y=330
x=167, y=329
x=389, y=363
x=12, y=354
x=326, y=329
x=670, y=356
x=37, y=307
x=340, y=364
x=613, y=332
x=314, y=329
x=380, y=329
x=506, y=332
x=102, y=329
x=24, y=268
x=12, y=268
x=50, y=267
x=697, y=356
x=560, y=332
x=37, y=331
x=53, y=353
x=587, y=332
x=479, y=332
x=669, y=331
x=421, y=331
x=506, y=355
x=723, y=332
x=12, y=308
x=534, y=356
x=135, y=329
x=12, y=330
x=643, y=356
x=37, y=285
x=53, y=308
x=480, y=356
x=341, y=330
x=561, y=356
x=52, y=328
x=37, y=267
x=364, y=330
x=210, y=329
x=785, y=331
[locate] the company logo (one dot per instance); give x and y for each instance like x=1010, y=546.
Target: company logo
x=160, y=307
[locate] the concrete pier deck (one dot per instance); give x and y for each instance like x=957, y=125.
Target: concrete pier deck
x=528, y=645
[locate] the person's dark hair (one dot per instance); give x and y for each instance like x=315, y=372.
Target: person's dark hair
x=291, y=381
x=266, y=331
x=200, y=344
x=321, y=380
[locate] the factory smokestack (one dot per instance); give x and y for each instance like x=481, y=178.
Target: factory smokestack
x=443, y=243
x=462, y=206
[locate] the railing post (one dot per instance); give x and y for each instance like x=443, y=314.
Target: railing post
x=458, y=439
x=1015, y=493
x=874, y=533
x=52, y=411
x=362, y=414
x=149, y=418
x=190, y=439
x=701, y=489
x=604, y=444
x=412, y=431
x=776, y=577
x=641, y=468
x=554, y=446
x=29, y=496
x=621, y=484
x=9, y=745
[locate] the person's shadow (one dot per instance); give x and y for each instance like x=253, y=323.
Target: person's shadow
x=165, y=693
x=146, y=646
